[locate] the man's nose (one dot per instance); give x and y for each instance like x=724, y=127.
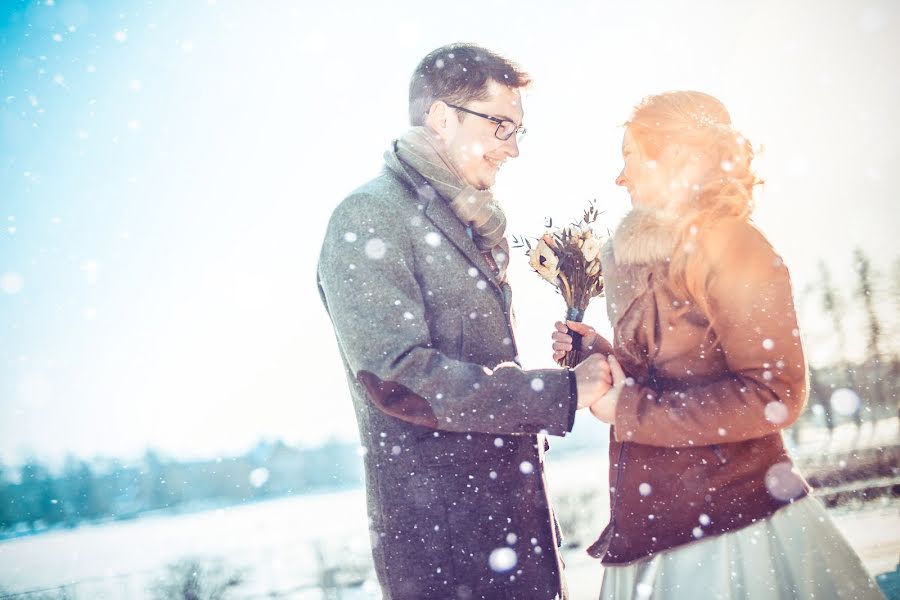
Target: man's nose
x=620, y=178
x=512, y=146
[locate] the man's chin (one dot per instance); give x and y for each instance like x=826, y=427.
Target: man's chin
x=482, y=184
x=487, y=182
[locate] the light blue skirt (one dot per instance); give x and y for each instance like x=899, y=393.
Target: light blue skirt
x=796, y=553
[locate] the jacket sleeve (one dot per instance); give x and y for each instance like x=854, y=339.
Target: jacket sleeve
x=764, y=389
x=367, y=279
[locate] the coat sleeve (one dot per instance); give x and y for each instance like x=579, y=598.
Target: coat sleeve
x=764, y=389
x=367, y=279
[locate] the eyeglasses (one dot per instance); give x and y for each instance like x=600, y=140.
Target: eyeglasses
x=505, y=128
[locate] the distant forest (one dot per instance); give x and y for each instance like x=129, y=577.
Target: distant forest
x=38, y=499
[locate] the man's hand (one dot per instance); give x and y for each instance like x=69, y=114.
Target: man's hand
x=591, y=341
x=605, y=408
x=592, y=379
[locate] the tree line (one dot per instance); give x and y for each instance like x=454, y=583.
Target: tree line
x=34, y=498
x=874, y=299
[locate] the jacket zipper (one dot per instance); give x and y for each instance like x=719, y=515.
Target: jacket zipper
x=718, y=451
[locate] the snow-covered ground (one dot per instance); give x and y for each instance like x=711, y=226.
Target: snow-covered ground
x=276, y=541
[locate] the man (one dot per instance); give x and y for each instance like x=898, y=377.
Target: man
x=412, y=273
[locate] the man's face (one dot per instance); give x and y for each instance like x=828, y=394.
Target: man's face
x=471, y=144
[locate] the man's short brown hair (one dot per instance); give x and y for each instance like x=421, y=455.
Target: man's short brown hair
x=459, y=73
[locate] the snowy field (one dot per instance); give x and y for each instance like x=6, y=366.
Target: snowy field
x=281, y=543
x=273, y=540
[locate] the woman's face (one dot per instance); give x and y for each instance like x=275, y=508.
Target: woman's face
x=639, y=176
x=656, y=182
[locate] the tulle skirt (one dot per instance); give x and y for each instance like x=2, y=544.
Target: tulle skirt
x=796, y=553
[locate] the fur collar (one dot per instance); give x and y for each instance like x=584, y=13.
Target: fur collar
x=645, y=236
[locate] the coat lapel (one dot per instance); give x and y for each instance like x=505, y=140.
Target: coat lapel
x=439, y=212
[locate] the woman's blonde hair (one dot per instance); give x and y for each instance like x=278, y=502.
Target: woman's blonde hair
x=700, y=124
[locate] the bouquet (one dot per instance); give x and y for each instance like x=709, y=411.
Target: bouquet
x=569, y=258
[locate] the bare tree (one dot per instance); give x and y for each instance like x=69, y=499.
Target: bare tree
x=195, y=579
x=835, y=308
x=866, y=293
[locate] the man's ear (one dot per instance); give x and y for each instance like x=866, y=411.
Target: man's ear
x=441, y=120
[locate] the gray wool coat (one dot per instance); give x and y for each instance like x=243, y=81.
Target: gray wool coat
x=456, y=491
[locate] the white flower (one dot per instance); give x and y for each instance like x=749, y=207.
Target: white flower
x=591, y=249
x=544, y=261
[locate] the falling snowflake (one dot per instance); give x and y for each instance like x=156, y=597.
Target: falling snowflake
x=259, y=476
x=503, y=559
x=375, y=249
x=782, y=482
x=776, y=412
x=643, y=591
x=12, y=283
x=844, y=401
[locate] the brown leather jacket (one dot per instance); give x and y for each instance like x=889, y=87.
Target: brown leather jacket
x=696, y=447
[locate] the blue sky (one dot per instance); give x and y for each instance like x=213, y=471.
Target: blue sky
x=167, y=169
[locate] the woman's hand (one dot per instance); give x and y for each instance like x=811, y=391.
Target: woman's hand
x=605, y=408
x=592, y=379
x=591, y=341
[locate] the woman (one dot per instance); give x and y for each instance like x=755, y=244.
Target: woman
x=708, y=369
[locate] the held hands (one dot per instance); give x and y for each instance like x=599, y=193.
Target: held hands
x=605, y=408
x=592, y=380
x=599, y=381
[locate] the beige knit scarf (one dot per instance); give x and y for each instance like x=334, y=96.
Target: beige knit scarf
x=478, y=209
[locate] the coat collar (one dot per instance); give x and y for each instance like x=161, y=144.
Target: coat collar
x=438, y=211
x=646, y=236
